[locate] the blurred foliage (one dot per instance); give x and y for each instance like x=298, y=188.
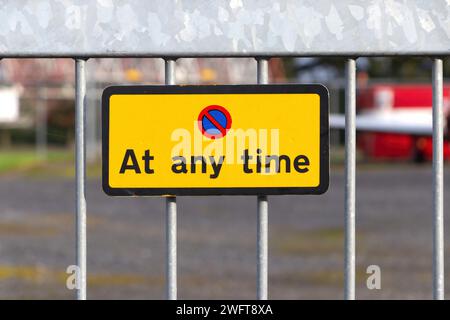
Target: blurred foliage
x=61, y=119
x=397, y=68
x=60, y=124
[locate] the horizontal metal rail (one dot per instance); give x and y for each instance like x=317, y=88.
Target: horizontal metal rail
x=173, y=28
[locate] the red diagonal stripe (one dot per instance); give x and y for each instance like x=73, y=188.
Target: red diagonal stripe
x=215, y=123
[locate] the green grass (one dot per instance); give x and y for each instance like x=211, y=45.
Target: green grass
x=58, y=163
x=17, y=160
x=320, y=241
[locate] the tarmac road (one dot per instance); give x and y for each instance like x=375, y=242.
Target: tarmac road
x=217, y=250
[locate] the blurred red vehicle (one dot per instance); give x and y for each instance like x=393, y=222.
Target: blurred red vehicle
x=395, y=121
x=412, y=101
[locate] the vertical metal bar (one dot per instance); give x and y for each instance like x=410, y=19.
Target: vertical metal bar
x=350, y=170
x=80, y=174
x=262, y=211
x=262, y=71
x=438, y=181
x=262, y=240
x=91, y=118
x=171, y=216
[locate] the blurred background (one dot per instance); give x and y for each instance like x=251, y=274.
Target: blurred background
x=217, y=235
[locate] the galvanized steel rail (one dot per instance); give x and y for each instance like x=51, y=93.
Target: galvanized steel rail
x=171, y=215
x=350, y=176
x=80, y=174
x=262, y=212
x=438, y=181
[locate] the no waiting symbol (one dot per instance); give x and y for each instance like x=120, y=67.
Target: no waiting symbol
x=214, y=121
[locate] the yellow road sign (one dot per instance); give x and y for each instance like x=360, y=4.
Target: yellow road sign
x=215, y=140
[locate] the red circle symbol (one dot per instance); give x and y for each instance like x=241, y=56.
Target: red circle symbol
x=214, y=121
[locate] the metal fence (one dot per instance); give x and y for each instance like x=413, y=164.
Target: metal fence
x=260, y=29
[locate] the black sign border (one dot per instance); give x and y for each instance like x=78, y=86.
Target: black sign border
x=219, y=89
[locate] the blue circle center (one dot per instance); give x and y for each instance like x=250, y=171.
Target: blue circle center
x=210, y=127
